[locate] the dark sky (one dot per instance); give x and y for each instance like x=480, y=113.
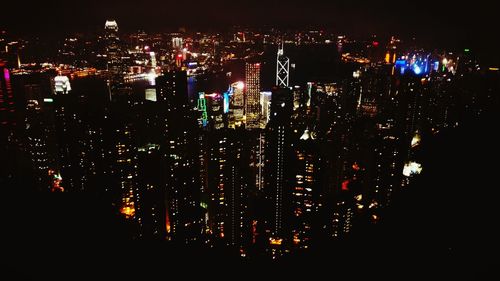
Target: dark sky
x=472, y=23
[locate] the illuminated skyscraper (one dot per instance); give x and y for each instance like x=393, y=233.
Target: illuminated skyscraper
x=235, y=106
x=304, y=191
x=228, y=188
x=150, y=206
x=252, y=95
x=278, y=156
x=39, y=131
x=7, y=124
x=282, y=68
x=78, y=122
x=217, y=181
x=216, y=107
x=123, y=166
x=112, y=46
x=265, y=105
x=387, y=166
x=7, y=120
x=184, y=213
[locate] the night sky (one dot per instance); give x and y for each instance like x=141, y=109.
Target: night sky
x=442, y=23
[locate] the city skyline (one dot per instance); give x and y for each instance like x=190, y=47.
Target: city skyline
x=437, y=21
x=284, y=147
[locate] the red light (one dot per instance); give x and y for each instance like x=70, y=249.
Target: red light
x=375, y=44
x=345, y=185
x=179, y=56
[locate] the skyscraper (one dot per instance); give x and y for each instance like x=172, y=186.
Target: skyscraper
x=39, y=131
x=278, y=155
x=150, y=208
x=282, y=68
x=228, y=188
x=305, y=191
x=7, y=124
x=236, y=105
x=252, y=95
x=265, y=105
x=184, y=213
x=112, y=47
x=78, y=122
x=7, y=120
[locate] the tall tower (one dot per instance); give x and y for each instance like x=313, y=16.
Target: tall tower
x=234, y=104
x=7, y=125
x=182, y=159
x=278, y=152
x=252, y=103
x=7, y=120
x=112, y=44
x=39, y=129
x=304, y=190
x=282, y=68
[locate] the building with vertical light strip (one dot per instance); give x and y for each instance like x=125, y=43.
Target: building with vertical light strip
x=277, y=158
x=184, y=211
x=304, y=191
x=7, y=123
x=252, y=95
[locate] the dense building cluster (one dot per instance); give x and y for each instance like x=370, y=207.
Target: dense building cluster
x=222, y=140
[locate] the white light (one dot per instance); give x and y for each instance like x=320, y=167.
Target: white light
x=62, y=84
x=412, y=168
x=415, y=141
x=240, y=85
x=151, y=78
x=151, y=94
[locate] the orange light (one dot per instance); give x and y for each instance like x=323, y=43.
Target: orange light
x=275, y=241
x=128, y=211
x=355, y=166
x=167, y=223
x=296, y=239
x=128, y=208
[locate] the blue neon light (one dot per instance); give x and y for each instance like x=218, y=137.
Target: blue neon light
x=417, y=69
